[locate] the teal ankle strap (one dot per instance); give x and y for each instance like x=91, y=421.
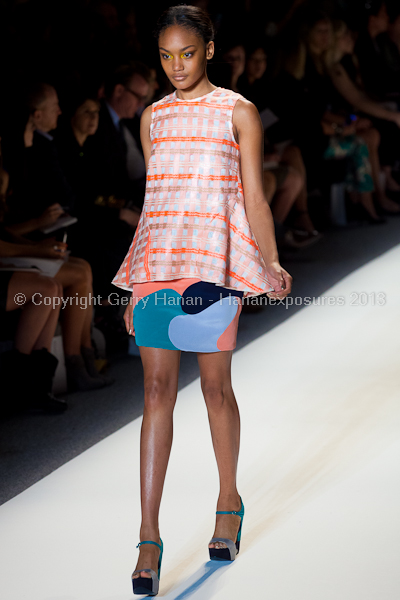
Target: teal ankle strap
x=239, y=513
x=148, y=542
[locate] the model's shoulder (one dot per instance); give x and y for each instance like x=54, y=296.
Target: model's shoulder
x=245, y=111
x=164, y=100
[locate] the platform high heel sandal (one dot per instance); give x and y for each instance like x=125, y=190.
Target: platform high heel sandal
x=146, y=585
x=232, y=549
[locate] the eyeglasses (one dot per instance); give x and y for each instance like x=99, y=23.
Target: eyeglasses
x=137, y=96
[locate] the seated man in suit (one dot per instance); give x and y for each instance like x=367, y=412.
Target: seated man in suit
x=120, y=163
x=41, y=181
x=120, y=174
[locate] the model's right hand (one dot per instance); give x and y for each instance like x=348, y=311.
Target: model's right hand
x=128, y=318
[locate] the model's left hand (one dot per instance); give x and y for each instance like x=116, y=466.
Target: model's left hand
x=280, y=280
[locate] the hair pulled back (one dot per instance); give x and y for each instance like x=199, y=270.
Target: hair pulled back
x=191, y=17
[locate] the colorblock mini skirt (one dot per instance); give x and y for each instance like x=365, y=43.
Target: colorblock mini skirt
x=186, y=314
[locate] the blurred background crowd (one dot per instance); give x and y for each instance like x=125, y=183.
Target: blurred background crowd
x=76, y=76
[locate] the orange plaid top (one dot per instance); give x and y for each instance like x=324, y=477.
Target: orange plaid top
x=194, y=222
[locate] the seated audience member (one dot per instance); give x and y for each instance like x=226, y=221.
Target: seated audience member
x=44, y=182
x=301, y=94
x=252, y=82
x=342, y=140
x=120, y=175
x=389, y=46
x=235, y=56
x=120, y=164
x=81, y=119
x=343, y=70
x=373, y=22
x=28, y=369
x=290, y=172
x=74, y=279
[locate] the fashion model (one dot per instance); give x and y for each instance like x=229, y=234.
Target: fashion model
x=204, y=241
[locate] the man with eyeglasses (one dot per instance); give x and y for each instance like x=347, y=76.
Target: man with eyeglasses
x=120, y=162
x=121, y=176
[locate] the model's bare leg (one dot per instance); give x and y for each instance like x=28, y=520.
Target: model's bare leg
x=161, y=370
x=223, y=415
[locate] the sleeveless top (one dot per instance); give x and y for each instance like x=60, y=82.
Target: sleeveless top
x=193, y=222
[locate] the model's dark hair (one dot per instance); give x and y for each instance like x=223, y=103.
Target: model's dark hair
x=191, y=17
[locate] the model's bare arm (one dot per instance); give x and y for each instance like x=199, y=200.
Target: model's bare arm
x=248, y=128
x=145, y=122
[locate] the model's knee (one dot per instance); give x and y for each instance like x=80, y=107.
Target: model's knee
x=215, y=394
x=159, y=393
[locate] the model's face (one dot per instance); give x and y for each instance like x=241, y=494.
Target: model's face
x=183, y=56
x=236, y=57
x=257, y=64
x=86, y=117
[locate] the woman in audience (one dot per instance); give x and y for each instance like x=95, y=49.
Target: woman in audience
x=343, y=139
x=81, y=119
x=343, y=69
x=289, y=170
x=324, y=69
x=235, y=56
x=28, y=369
x=75, y=278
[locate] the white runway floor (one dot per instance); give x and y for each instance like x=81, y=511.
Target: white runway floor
x=319, y=475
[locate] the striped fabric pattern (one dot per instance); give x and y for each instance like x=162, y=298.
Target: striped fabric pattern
x=193, y=222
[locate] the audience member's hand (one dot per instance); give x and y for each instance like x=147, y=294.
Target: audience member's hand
x=128, y=318
x=129, y=216
x=50, y=248
x=50, y=215
x=280, y=280
x=350, y=129
x=362, y=124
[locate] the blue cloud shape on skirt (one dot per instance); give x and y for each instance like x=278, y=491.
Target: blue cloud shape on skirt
x=200, y=332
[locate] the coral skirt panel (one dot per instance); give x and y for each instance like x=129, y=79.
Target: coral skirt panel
x=186, y=314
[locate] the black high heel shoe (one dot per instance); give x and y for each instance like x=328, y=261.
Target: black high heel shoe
x=232, y=549
x=148, y=585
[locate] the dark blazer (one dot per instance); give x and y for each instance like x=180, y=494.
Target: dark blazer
x=109, y=151
x=44, y=182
